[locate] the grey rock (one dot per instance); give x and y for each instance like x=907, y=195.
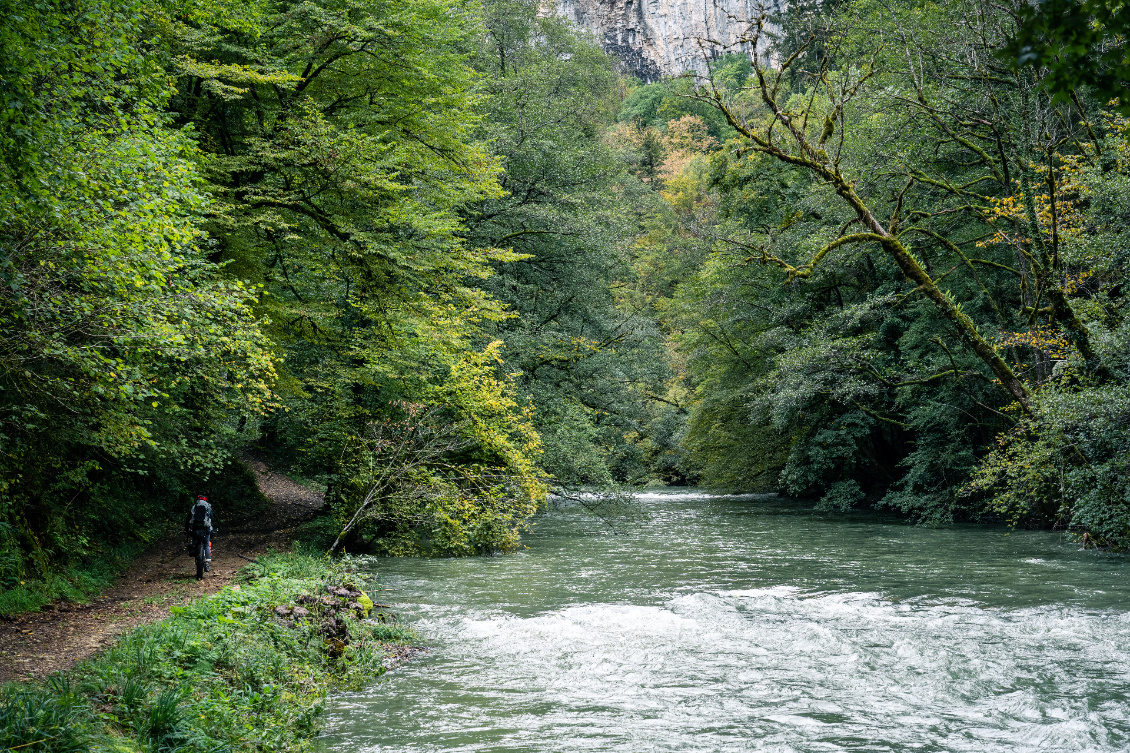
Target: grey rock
x=654, y=38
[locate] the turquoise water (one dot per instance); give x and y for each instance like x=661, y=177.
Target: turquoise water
x=750, y=623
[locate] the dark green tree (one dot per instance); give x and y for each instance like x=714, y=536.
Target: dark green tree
x=588, y=355
x=1074, y=45
x=893, y=270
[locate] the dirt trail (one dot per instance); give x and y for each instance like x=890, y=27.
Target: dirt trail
x=36, y=644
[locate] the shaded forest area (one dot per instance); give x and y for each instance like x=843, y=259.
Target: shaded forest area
x=438, y=256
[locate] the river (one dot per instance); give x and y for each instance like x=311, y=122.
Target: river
x=750, y=623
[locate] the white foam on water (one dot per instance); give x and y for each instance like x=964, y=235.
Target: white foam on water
x=763, y=670
x=676, y=495
x=746, y=627
x=1044, y=563
x=683, y=496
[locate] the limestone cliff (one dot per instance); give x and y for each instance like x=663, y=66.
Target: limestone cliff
x=654, y=38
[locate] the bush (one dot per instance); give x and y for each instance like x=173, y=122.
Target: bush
x=223, y=673
x=1068, y=463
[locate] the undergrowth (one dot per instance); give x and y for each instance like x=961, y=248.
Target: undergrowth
x=223, y=673
x=77, y=584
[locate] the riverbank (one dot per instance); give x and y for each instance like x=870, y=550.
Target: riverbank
x=242, y=669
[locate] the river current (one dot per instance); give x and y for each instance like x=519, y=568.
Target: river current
x=750, y=623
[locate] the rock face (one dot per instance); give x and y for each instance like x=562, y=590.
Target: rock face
x=654, y=38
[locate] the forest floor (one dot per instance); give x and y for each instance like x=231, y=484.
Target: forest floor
x=36, y=644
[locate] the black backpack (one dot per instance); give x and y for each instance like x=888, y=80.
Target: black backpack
x=201, y=516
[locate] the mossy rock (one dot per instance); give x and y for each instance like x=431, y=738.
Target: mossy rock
x=366, y=603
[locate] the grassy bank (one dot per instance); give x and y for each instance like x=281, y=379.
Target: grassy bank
x=77, y=584
x=227, y=672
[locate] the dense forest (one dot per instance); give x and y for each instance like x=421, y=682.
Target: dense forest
x=441, y=256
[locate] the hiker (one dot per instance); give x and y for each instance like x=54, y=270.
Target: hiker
x=199, y=523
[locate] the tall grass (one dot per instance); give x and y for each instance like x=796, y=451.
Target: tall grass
x=221, y=674
x=77, y=584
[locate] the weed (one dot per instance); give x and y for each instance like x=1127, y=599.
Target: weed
x=165, y=716
x=33, y=719
x=223, y=673
x=133, y=693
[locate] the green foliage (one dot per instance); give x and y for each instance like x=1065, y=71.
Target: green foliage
x=234, y=491
x=222, y=673
x=271, y=221
x=78, y=583
x=642, y=105
x=1067, y=462
x=781, y=271
x=425, y=488
x=128, y=365
x=655, y=105
x=1075, y=44
x=575, y=453
x=583, y=356
x=59, y=59
x=342, y=145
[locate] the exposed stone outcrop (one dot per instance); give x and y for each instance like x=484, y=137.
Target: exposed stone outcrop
x=654, y=38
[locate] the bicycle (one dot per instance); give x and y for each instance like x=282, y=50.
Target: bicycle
x=199, y=550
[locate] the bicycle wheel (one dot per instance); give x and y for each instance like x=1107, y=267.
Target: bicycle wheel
x=200, y=558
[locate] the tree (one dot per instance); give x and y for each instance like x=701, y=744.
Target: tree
x=1067, y=462
x=420, y=496
x=587, y=354
x=126, y=362
x=1074, y=45
x=342, y=147
x=800, y=139
x=802, y=323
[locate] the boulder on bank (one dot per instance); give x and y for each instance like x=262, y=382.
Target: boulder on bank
x=328, y=611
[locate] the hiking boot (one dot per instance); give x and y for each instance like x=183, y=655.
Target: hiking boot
x=207, y=566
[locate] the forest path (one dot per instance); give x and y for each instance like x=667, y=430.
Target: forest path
x=39, y=643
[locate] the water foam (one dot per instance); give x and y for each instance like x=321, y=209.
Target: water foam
x=774, y=669
x=746, y=626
